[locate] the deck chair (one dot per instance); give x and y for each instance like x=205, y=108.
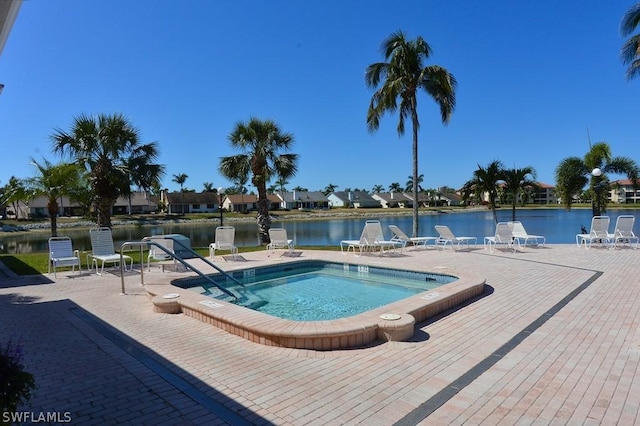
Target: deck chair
x=447, y=237
x=517, y=228
x=503, y=236
x=599, y=233
x=225, y=240
x=362, y=244
x=102, y=250
x=156, y=253
x=61, y=253
x=279, y=239
x=623, y=232
x=399, y=235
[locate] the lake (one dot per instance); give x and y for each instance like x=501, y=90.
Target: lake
x=558, y=225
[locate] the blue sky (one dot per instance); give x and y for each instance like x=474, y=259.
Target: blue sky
x=534, y=78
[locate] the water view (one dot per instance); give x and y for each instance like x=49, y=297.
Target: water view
x=558, y=225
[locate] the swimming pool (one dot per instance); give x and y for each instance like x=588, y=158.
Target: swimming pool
x=391, y=322
x=318, y=291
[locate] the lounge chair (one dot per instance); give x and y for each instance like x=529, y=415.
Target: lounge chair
x=225, y=240
x=599, y=233
x=623, y=232
x=102, y=250
x=362, y=244
x=279, y=239
x=503, y=236
x=517, y=228
x=447, y=237
x=371, y=239
x=156, y=253
x=399, y=235
x=61, y=253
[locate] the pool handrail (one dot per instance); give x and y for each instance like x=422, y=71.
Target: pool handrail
x=146, y=243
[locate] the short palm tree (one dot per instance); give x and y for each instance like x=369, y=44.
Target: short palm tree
x=485, y=181
x=404, y=74
x=376, y=189
x=630, y=51
x=107, y=146
x=573, y=173
x=395, y=186
x=52, y=181
x=329, y=189
x=517, y=180
x=261, y=143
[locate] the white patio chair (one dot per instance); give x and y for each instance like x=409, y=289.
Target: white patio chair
x=517, y=228
x=279, y=239
x=156, y=253
x=225, y=240
x=399, y=235
x=599, y=233
x=61, y=253
x=623, y=232
x=447, y=237
x=503, y=236
x=102, y=250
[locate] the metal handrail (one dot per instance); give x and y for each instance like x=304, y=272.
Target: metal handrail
x=146, y=243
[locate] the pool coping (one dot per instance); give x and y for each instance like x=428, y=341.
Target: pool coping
x=350, y=332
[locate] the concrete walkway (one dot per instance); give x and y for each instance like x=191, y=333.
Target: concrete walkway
x=554, y=340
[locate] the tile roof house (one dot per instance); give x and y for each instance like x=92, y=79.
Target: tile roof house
x=622, y=192
x=355, y=199
x=248, y=202
x=303, y=200
x=139, y=203
x=190, y=202
x=393, y=199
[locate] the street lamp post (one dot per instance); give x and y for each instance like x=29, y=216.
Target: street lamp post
x=595, y=204
x=220, y=194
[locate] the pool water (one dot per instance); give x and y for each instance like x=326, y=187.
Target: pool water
x=317, y=291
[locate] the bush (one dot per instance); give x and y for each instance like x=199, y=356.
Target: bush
x=16, y=384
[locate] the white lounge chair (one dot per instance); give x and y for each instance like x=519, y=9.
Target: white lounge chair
x=517, y=228
x=371, y=239
x=399, y=235
x=279, y=239
x=156, y=253
x=623, y=232
x=61, y=253
x=225, y=240
x=362, y=244
x=599, y=233
x=503, y=236
x=448, y=237
x=102, y=250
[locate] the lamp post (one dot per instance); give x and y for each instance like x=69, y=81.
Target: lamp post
x=220, y=194
x=595, y=204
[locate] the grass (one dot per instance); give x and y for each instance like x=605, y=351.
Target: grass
x=36, y=263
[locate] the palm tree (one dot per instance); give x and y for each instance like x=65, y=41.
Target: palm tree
x=13, y=193
x=395, y=186
x=573, y=173
x=376, y=189
x=403, y=75
x=630, y=51
x=409, y=184
x=485, y=181
x=180, y=179
x=208, y=187
x=52, y=182
x=261, y=143
x=282, y=183
x=329, y=189
x=515, y=181
x=105, y=146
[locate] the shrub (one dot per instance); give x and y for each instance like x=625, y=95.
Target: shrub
x=16, y=384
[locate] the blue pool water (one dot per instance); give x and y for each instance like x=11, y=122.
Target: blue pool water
x=316, y=291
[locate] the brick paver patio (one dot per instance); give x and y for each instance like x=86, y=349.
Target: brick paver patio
x=554, y=340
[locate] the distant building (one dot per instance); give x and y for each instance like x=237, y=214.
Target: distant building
x=355, y=199
x=299, y=200
x=248, y=202
x=393, y=199
x=622, y=192
x=139, y=203
x=190, y=202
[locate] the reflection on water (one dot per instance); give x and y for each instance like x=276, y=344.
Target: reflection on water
x=559, y=226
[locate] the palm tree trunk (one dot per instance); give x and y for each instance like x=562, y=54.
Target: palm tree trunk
x=414, y=119
x=264, y=220
x=104, y=211
x=53, y=209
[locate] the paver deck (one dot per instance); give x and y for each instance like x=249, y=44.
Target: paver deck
x=554, y=339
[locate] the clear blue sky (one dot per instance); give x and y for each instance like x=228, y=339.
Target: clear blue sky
x=532, y=78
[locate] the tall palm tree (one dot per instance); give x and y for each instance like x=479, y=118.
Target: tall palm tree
x=208, y=187
x=52, y=182
x=395, y=186
x=329, y=189
x=409, y=185
x=403, y=75
x=630, y=51
x=573, y=173
x=282, y=183
x=104, y=146
x=485, y=181
x=376, y=189
x=261, y=143
x=180, y=179
x=517, y=180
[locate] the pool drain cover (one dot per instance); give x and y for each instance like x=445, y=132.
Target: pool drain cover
x=390, y=316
